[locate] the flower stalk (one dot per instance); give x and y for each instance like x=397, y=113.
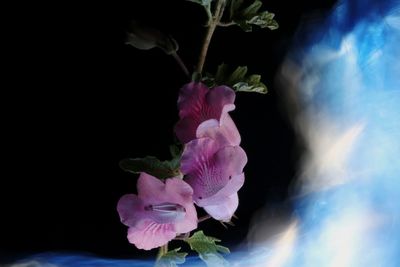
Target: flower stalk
x=162, y=251
x=219, y=10
x=181, y=64
x=207, y=170
x=203, y=218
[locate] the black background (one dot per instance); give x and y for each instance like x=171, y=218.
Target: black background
x=79, y=100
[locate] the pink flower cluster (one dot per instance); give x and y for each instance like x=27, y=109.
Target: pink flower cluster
x=212, y=163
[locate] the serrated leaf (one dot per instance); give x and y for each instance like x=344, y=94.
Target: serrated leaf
x=153, y=166
x=254, y=79
x=223, y=249
x=238, y=80
x=245, y=87
x=222, y=73
x=264, y=20
x=250, y=16
x=252, y=84
x=238, y=75
x=251, y=10
x=207, y=248
x=223, y=76
x=201, y=2
x=171, y=259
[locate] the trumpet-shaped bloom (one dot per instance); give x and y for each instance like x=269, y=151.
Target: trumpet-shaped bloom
x=159, y=211
x=215, y=173
x=203, y=112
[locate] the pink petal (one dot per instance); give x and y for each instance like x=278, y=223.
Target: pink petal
x=185, y=129
x=148, y=234
x=197, y=104
x=234, y=184
x=179, y=191
x=150, y=188
x=205, y=126
x=220, y=96
x=219, y=101
x=232, y=159
x=197, y=153
x=209, y=168
x=130, y=209
x=224, y=131
x=224, y=210
x=158, y=212
x=189, y=223
x=191, y=98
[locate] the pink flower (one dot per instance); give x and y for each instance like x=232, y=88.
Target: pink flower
x=203, y=112
x=215, y=173
x=159, y=212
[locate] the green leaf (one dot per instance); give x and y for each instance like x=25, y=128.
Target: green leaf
x=251, y=10
x=238, y=80
x=264, y=20
x=152, y=166
x=145, y=38
x=238, y=75
x=171, y=258
x=251, y=16
x=223, y=76
x=208, y=80
x=176, y=151
x=222, y=73
x=252, y=84
x=207, y=249
x=201, y=2
x=244, y=25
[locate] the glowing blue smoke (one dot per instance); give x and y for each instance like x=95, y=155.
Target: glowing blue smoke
x=343, y=84
x=76, y=260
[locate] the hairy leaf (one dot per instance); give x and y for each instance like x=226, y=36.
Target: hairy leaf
x=238, y=80
x=207, y=249
x=145, y=38
x=153, y=166
x=201, y=2
x=252, y=84
x=171, y=259
x=251, y=15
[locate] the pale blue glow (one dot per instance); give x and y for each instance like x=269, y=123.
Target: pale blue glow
x=347, y=84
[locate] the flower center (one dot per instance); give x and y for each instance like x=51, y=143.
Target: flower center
x=166, y=212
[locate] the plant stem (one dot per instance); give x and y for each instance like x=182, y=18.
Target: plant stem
x=162, y=251
x=202, y=219
x=209, y=15
x=181, y=64
x=182, y=237
x=226, y=24
x=219, y=10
